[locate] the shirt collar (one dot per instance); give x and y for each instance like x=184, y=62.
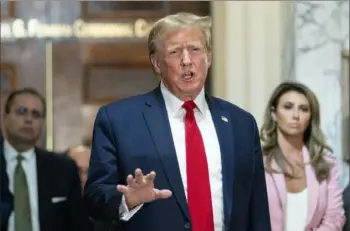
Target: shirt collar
x=174, y=104
x=11, y=153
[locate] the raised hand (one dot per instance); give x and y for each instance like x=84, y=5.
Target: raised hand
x=141, y=189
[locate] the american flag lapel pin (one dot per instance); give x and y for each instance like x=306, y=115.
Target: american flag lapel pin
x=223, y=118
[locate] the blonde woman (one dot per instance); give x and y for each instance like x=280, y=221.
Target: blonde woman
x=301, y=175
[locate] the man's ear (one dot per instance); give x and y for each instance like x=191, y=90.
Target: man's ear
x=209, y=58
x=155, y=63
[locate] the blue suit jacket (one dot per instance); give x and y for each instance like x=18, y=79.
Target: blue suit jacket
x=6, y=202
x=135, y=133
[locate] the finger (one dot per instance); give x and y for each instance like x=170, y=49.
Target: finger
x=163, y=194
x=122, y=188
x=130, y=179
x=138, y=176
x=150, y=177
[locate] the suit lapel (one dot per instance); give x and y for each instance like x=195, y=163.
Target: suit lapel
x=280, y=184
x=156, y=118
x=226, y=136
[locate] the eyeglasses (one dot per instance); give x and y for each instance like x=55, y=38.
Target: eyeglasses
x=23, y=111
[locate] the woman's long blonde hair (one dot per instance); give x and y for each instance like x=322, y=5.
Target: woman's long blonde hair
x=313, y=136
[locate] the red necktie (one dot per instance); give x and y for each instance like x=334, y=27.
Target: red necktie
x=198, y=185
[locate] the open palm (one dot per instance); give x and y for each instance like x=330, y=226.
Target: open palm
x=141, y=189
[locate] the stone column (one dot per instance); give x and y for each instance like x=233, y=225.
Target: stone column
x=249, y=40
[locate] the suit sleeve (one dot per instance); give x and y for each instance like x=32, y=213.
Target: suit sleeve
x=333, y=218
x=6, y=196
x=259, y=219
x=101, y=197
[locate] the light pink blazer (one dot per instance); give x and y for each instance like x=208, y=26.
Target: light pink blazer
x=325, y=202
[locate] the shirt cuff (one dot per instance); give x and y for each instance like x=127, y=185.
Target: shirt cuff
x=124, y=212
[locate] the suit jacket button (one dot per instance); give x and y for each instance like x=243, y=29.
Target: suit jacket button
x=188, y=225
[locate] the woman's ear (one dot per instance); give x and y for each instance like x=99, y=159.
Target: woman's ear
x=273, y=114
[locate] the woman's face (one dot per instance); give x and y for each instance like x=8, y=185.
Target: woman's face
x=292, y=113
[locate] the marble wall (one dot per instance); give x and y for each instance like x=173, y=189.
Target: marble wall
x=321, y=34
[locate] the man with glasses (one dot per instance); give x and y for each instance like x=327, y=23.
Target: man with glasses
x=45, y=186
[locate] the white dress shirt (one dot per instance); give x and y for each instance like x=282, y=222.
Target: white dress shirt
x=29, y=167
x=176, y=115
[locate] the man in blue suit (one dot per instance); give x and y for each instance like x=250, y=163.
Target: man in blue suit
x=176, y=158
x=6, y=196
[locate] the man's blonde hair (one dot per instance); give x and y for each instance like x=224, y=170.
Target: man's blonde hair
x=176, y=22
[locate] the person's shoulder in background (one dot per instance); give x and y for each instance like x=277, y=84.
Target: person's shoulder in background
x=6, y=202
x=60, y=167
x=346, y=199
x=54, y=157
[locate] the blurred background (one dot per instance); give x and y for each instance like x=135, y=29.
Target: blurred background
x=81, y=55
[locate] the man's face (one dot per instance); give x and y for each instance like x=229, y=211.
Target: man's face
x=23, y=124
x=183, y=62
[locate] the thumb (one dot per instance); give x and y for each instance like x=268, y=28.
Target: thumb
x=163, y=194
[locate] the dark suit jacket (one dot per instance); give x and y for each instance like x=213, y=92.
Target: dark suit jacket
x=6, y=196
x=87, y=223
x=58, y=177
x=135, y=133
x=346, y=198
